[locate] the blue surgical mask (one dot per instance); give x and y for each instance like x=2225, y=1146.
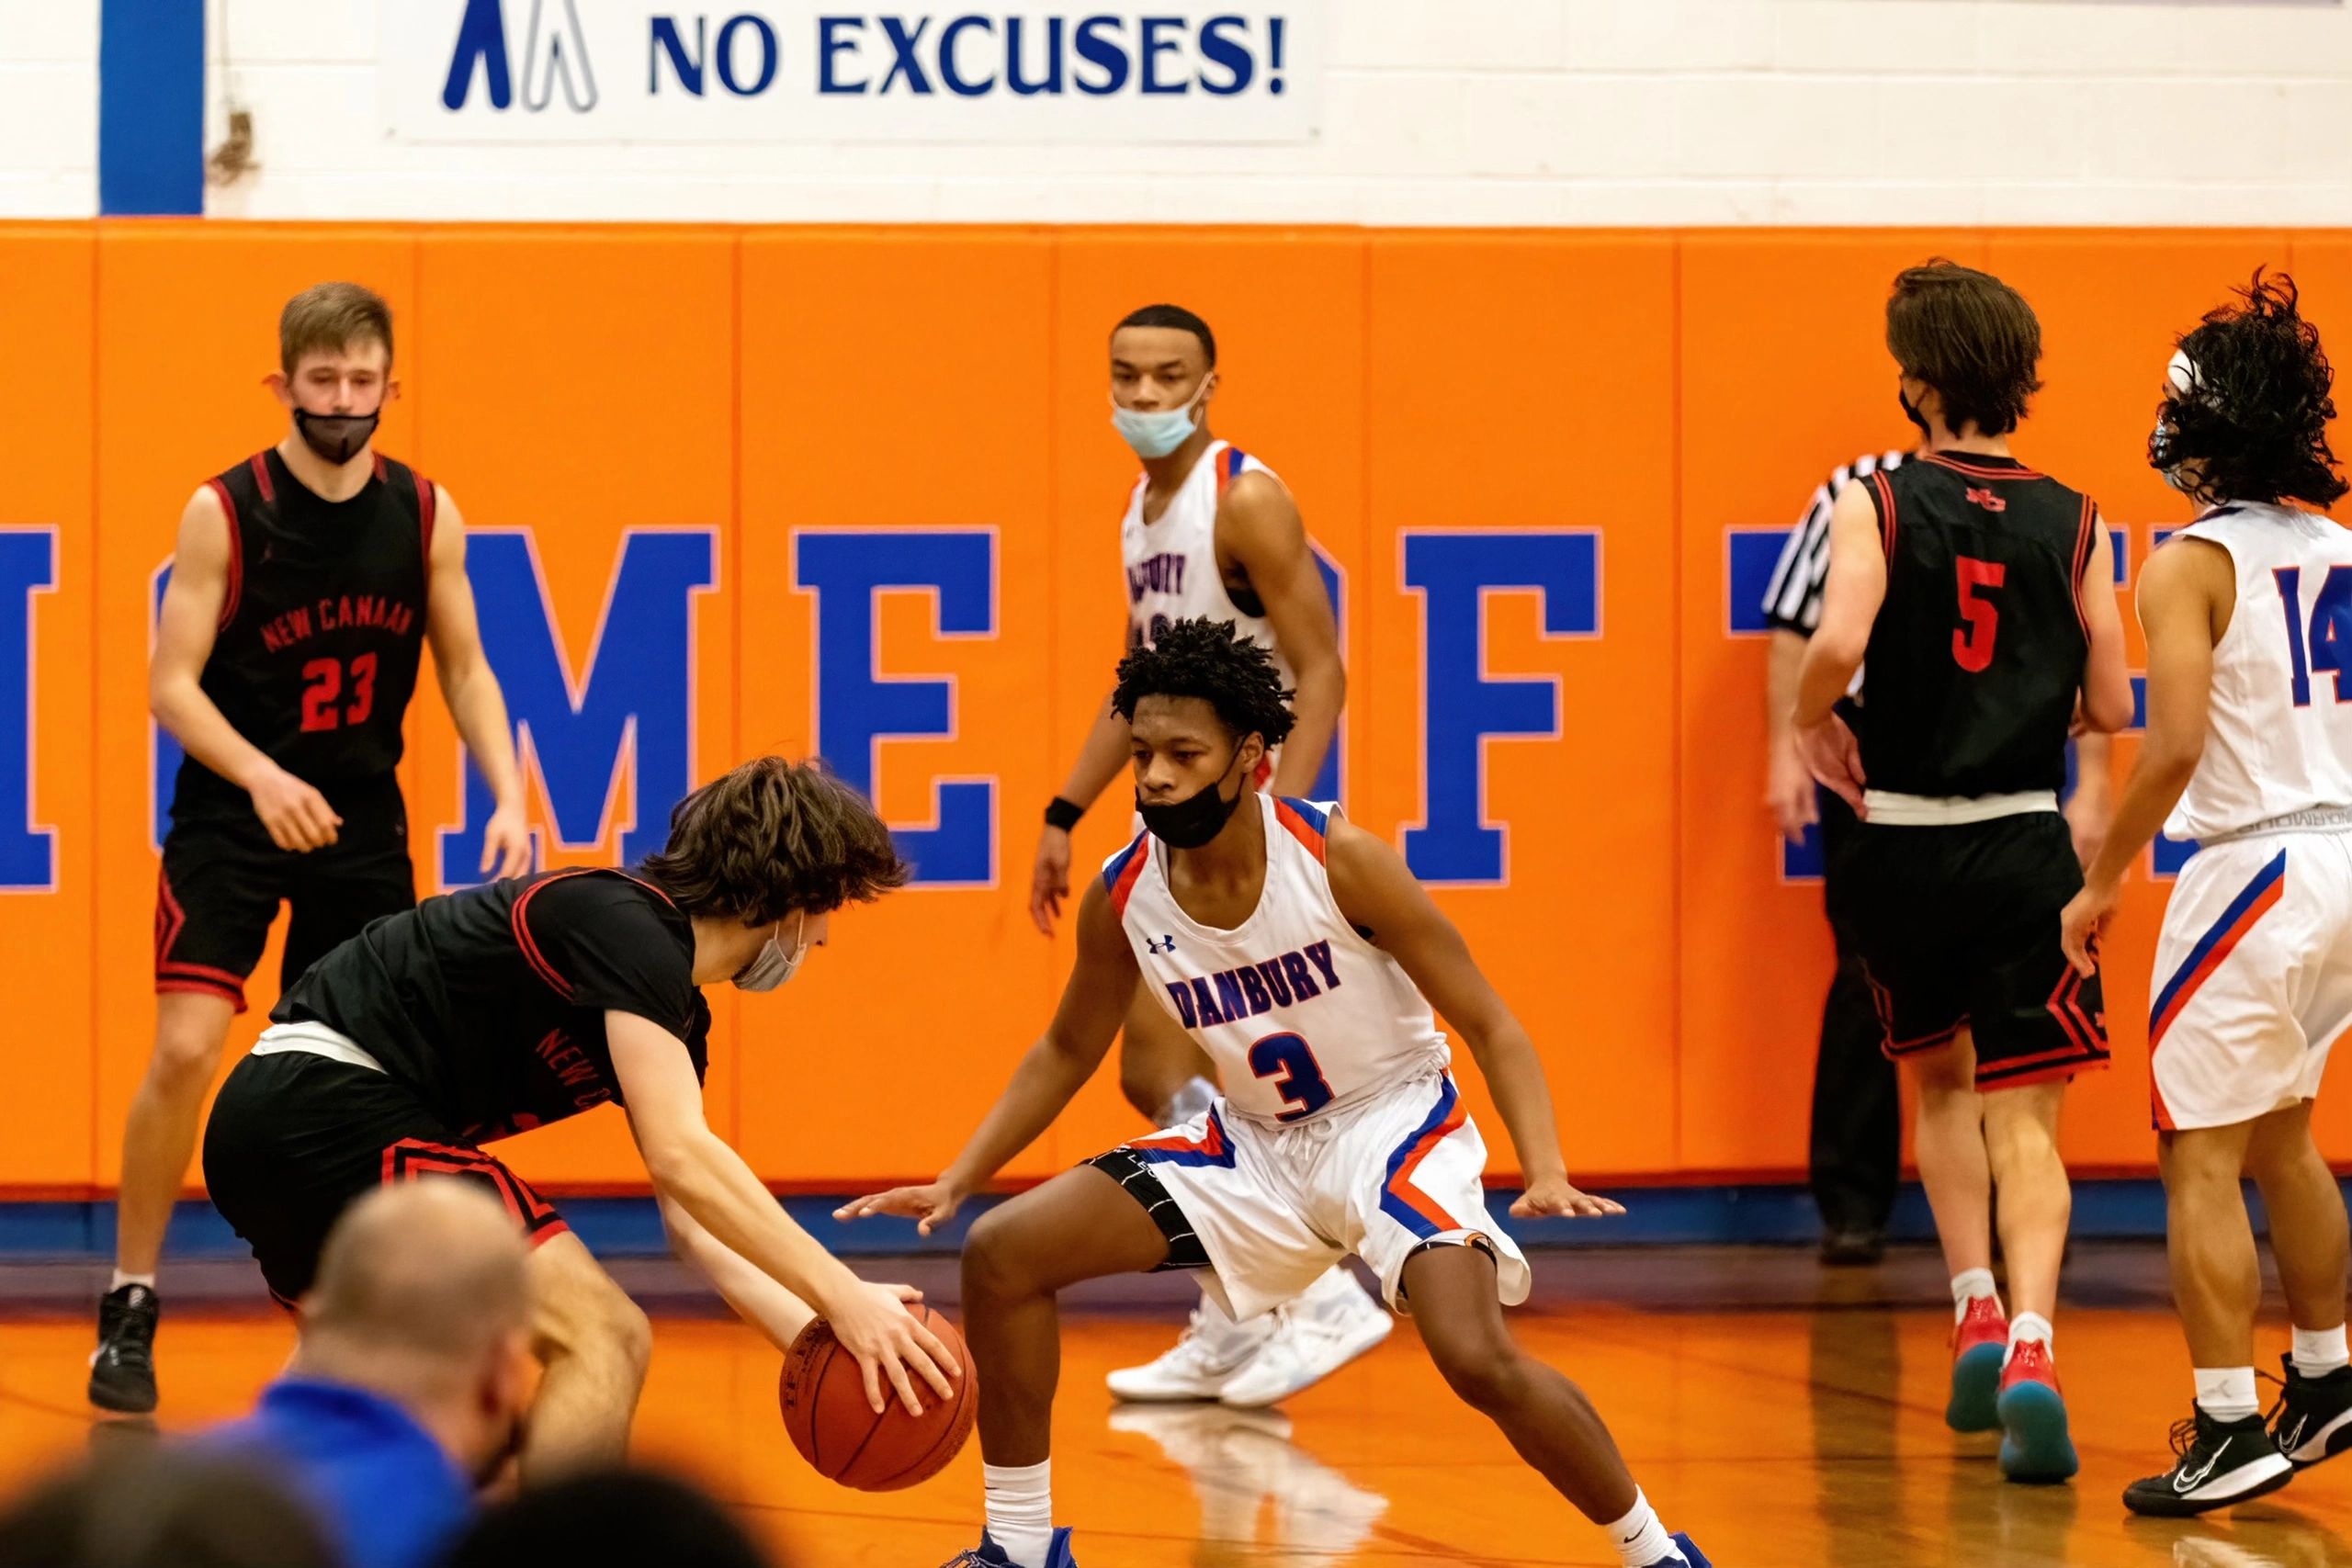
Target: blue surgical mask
x=1157, y=434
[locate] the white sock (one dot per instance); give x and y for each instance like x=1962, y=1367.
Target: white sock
x=2027, y=1325
x=2319, y=1351
x=1967, y=1285
x=1020, y=1501
x=1640, y=1540
x=2226, y=1394
x=122, y=1279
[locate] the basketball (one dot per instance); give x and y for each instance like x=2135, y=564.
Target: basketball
x=837, y=1432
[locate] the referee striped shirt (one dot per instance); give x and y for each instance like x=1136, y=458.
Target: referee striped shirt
x=1793, y=600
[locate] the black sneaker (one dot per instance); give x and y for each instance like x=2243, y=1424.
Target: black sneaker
x=123, y=1371
x=1853, y=1247
x=2312, y=1419
x=2220, y=1463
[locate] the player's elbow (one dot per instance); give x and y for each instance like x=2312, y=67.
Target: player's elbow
x=2108, y=707
x=674, y=1164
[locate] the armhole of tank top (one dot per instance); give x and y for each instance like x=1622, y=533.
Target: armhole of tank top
x=234, y=592
x=1883, y=502
x=1319, y=871
x=2084, y=540
x=427, y=507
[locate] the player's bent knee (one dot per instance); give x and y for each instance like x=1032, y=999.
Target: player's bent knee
x=585, y=1315
x=183, y=1056
x=996, y=1255
x=1486, y=1377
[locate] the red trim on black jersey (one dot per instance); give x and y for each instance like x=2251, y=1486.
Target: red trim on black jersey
x=260, y=463
x=378, y=460
x=523, y=938
x=425, y=505
x=236, y=586
x=1974, y=472
x=2084, y=539
x=1886, y=512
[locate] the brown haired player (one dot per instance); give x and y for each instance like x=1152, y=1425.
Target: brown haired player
x=307, y=579
x=1981, y=594
x=481, y=1014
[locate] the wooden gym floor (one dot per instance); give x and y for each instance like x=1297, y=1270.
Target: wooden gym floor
x=1802, y=1426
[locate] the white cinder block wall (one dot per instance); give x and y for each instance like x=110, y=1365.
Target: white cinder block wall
x=49, y=108
x=1535, y=112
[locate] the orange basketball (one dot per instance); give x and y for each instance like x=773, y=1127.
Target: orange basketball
x=837, y=1432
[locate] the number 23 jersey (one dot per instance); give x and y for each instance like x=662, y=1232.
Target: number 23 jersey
x=1300, y=1013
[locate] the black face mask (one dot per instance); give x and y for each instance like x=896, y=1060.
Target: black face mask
x=335, y=437
x=1193, y=821
x=1911, y=413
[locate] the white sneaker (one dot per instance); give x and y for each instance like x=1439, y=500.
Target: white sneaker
x=1198, y=1366
x=1314, y=1336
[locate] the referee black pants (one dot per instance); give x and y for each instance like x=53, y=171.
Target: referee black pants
x=1855, y=1159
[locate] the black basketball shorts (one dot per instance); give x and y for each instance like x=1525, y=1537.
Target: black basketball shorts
x=294, y=1139
x=223, y=880
x=1958, y=928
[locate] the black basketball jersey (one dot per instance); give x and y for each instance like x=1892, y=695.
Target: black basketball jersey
x=490, y=1002
x=322, y=626
x=1975, y=663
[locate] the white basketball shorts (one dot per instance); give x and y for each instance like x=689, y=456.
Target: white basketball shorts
x=1274, y=1206
x=2252, y=980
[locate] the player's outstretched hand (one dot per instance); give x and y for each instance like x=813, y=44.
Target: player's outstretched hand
x=2085, y=916
x=297, y=815
x=873, y=1323
x=1049, y=879
x=506, y=843
x=1830, y=752
x=929, y=1206
x=1555, y=1195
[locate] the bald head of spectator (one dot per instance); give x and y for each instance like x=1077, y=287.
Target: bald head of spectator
x=423, y=1297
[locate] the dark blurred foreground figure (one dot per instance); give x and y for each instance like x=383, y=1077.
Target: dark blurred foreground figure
x=409, y=1386
x=612, y=1516
x=160, y=1507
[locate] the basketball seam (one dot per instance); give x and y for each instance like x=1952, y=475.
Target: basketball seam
x=959, y=1425
x=815, y=1407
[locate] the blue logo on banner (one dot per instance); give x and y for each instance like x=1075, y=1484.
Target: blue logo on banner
x=857, y=706
x=27, y=565
x=1454, y=571
x=633, y=710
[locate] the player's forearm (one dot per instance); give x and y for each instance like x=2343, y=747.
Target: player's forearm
x=1322, y=693
x=1100, y=760
x=1827, y=671
x=478, y=707
x=757, y=1298
x=2154, y=789
x=1784, y=661
x=1514, y=1075
x=182, y=708
x=710, y=1182
x=1045, y=1081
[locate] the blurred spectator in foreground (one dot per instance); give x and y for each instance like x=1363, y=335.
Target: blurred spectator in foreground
x=160, y=1507
x=411, y=1375
x=617, y=1517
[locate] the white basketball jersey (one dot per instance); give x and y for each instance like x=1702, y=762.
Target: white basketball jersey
x=1171, y=564
x=1298, y=1011
x=2279, y=737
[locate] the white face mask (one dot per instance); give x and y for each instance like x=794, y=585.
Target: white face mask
x=1156, y=435
x=773, y=966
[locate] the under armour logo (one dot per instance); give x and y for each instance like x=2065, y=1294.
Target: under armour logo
x=1159, y=944
x=1987, y=499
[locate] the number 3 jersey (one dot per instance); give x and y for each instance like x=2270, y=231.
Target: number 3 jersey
x=1975, y=662
x=2278, y=735
x=1300, y=1013
x=321, y=624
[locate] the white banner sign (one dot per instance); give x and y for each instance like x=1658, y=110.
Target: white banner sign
x=655, y=71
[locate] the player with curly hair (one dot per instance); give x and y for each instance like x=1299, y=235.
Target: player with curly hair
x=2249, y=615
x=491, y=1012
x=1300, y=953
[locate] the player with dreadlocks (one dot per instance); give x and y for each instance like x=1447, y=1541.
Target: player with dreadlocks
x=2248, y=614
x=1301, y=955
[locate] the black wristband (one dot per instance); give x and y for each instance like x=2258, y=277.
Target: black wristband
x=1063, y=814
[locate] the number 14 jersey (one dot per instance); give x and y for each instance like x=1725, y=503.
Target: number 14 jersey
x=2279, y=736
x=1975, y=662
x=1298, y=1009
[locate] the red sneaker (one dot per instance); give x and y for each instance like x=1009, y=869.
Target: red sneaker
x=1978, y=1342
x=2035, y=1446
